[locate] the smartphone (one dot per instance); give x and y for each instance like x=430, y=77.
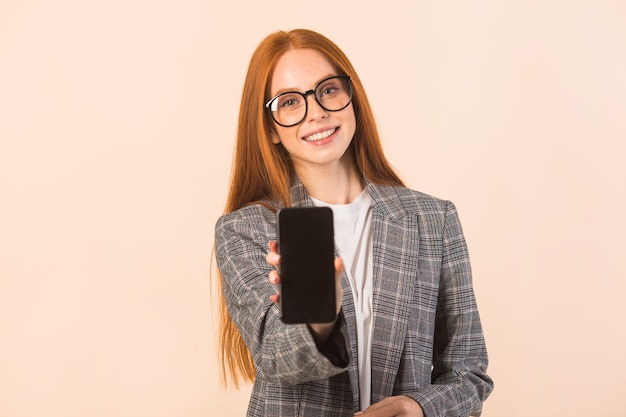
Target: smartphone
x=306, y=244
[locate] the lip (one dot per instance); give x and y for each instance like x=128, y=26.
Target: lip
x=332, y=129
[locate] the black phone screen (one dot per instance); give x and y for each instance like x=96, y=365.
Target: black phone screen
x=307, y=271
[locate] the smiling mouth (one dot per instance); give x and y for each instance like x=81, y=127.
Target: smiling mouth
x=320, y=135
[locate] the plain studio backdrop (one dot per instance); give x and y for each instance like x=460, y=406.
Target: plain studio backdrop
x=117, y=122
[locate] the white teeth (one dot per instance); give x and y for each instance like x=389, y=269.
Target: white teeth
x=320, y=135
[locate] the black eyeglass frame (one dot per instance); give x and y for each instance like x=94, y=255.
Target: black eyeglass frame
x=306, y=102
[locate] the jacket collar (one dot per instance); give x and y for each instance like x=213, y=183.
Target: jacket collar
x=385, y=198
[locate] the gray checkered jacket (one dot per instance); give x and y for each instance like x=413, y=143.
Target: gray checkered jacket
x=427, y=337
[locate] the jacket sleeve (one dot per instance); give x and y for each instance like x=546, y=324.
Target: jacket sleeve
x=282, y=353
x=460, y=383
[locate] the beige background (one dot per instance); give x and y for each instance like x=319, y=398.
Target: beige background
x=117, y=121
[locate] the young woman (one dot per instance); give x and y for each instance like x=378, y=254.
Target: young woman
x=407, y=340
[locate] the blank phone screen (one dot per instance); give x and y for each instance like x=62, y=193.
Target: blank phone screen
x=306, y=246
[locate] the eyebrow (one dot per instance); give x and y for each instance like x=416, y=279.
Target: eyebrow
x=293, y=89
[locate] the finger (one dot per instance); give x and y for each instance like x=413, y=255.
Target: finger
x=338, y=286
x=396, y=406
x=274, y=277
x=273, y=257
x=338, y=267
x=383, y=408
x=377, y=406
x=274, y=298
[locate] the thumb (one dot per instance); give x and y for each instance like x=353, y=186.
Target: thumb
x=338, y=287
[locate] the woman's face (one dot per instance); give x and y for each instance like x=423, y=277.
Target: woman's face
x=322, y=138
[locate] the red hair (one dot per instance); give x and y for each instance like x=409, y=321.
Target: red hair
x=262, y=170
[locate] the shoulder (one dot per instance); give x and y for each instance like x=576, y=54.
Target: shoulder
x=398, y=201
x=254, y=219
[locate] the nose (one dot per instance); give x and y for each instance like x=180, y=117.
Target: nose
x=314, y=111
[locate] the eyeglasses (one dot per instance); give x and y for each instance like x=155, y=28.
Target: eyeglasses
x=290, y=108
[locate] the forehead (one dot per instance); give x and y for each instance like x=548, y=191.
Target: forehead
x=300, y=69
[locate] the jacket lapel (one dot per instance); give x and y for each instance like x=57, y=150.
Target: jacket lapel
x=395, y=251
x=347, y=305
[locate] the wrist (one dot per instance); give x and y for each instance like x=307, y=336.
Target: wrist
x=322, y=331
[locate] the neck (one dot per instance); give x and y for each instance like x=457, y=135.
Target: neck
x=334, y=185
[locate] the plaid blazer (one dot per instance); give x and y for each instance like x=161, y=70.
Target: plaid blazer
x=427, y=337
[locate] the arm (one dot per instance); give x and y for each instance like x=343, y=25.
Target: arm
x=285, y=353
x=459, y=380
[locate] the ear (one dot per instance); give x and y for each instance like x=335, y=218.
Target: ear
x=275, y=138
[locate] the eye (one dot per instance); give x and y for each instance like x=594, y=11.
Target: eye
x=288, y=101
x=329, y=89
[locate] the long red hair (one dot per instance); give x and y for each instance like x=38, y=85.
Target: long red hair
x=262, y=170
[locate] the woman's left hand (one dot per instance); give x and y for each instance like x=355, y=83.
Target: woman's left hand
x=399, y=406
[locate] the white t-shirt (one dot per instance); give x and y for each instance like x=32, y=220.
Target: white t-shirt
x=353, y=238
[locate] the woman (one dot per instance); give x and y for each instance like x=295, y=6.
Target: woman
x=407, y=340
